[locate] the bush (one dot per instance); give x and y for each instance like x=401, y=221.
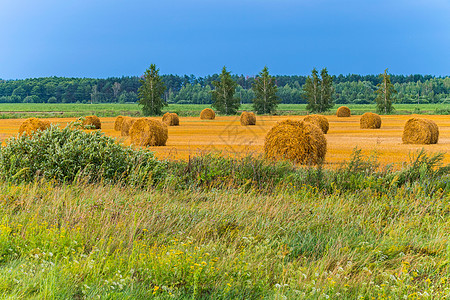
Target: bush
x=69, y=153
x=52, y=100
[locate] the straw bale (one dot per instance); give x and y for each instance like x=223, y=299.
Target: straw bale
x=248, y=118
x=171, y=119
x=31, y=125
x=298, y=141
x=147, y=132
x=118, y=123
x=127, y=122
x=343, y=112
x=420, y=131
x=318, y=120
x=207, y=114
x=370, y=121
x=93, y=121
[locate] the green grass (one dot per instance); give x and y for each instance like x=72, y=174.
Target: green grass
x=225, y=228
x=24, y=110
x=85, y=241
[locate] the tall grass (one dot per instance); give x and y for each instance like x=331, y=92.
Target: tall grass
x=224, y=228
x=87, y=240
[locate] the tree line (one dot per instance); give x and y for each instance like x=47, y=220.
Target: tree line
x=348, y=89
x=317, y=91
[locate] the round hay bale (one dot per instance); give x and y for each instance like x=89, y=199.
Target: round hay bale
x=118, y=123
x=31, y=125
x=343, y=112
x=147, y=132
x=370, y=121
x=207, y=114
x=420, y=131
x=298, y=141
x=127, y=122
x=248, y=118
x=92, y=121
x=318, y=120
x=171, y=119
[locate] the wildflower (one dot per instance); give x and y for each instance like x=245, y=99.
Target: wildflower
x=155, y=289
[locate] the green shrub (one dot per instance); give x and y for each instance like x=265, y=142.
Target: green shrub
x=70, y=153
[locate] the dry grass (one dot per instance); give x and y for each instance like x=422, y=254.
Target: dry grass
x=91, y=121
x=207, y=114
x=171, y=119
x=318, y=120
x=370, y=121
x=343, y=112
x=248, y=118
x=225, y=134
x=420, y=131
x=147, y=132
x=298, y=141
x=31, y=125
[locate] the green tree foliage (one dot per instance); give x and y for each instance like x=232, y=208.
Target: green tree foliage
x=351, y=89
x=326, y=91
x=290, y=95
x=223, y=95
x=318, y=91
x=266, y=99
x=246, y=95
x=384, y=93
x=151, y=92
x=193, y=94
x=128, y=97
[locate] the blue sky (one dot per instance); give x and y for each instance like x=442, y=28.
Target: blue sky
x=96, y=38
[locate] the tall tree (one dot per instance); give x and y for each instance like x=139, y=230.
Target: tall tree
x=326, y=91
x=94, y=94
x=318, y=92
x=266, y=99
x=151, y=92
x=384, y=94
x=116, y=89
x=223, y=94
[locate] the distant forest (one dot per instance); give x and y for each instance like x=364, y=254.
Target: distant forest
x=356, y=89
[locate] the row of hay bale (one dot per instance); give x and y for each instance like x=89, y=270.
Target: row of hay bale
x=31, y=125
x=302, y=142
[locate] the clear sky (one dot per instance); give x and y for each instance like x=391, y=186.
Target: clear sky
x=106, y=38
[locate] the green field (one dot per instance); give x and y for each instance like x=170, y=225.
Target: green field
x=23, y=110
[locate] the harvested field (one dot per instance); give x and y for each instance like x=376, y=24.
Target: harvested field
x=226, y=134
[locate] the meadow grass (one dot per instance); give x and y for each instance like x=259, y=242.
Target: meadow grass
x=231, y=229
x=63, y=110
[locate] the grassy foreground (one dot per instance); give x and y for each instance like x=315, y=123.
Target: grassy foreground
x=84, y=218
x=110, y=241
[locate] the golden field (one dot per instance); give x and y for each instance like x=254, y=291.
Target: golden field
x=225, y=134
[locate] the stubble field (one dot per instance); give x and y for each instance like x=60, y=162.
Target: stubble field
x=227, y=136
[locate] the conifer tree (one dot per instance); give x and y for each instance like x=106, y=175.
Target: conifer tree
x=223, y=94
x=318, y=91
x=151, y=92
x=384, y=94
x=266, y=99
